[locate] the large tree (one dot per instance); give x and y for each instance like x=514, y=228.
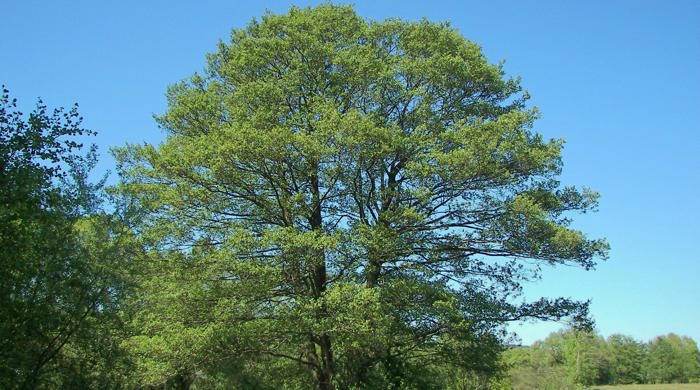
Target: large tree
x=347, y=198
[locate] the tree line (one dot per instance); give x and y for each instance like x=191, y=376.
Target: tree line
x=339, y=204
x=571, y=358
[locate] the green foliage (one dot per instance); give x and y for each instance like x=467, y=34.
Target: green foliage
x=673, y=359
x=349, y=200
x=628, y=359
x=531, y=370
x=554, y=363
x=572, y=358
x=58, y=280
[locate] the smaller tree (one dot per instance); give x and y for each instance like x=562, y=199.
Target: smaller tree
x=673, y=359
x=588, y=358
x=534, y=368
x=627, y=359
x=580, y=355
x=57, y=265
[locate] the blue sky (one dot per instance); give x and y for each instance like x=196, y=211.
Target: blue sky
x=618, y=80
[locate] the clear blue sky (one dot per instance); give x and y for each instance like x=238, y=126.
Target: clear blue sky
x=619, y=80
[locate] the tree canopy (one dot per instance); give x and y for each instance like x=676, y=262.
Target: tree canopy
x=355, y=201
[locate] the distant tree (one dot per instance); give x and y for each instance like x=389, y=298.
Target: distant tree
x=571, y=358
x=565, y=359
x=56, y=287
x=627, y=359
x=350, y=200
x=583, y=354
x=537, y=367
x=673, y=359
x=588, y=358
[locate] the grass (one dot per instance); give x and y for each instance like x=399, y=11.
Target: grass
x=671, y=386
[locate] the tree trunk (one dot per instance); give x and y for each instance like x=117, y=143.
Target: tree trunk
x=324, y=369
x=373, y=269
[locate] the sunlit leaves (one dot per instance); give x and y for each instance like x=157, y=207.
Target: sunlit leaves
x=351, y=196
